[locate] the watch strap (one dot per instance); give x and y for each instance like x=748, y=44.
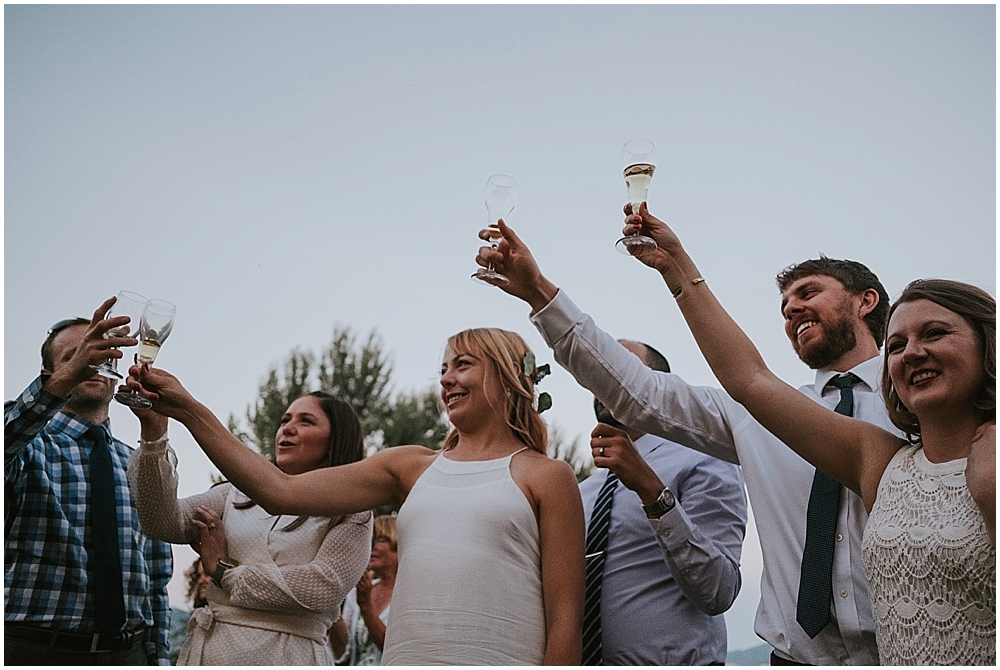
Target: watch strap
x=663, y=504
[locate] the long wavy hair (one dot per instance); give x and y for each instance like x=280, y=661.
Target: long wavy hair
x=979, y=309
x=505, y=352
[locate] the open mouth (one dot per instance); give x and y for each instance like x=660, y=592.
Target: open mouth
x=803, y=327
x=923, y=376
x=452, y=398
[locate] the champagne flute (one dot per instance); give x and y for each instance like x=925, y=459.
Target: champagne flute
x=501, y=195
x=639, y=162
x=154, y=327
x=128, y=304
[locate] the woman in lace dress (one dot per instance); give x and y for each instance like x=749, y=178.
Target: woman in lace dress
x=277, y=581
x=929, y=547
x=490, y=530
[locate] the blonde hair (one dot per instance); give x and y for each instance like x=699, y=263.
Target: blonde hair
x=505, y=351
x=385, y=526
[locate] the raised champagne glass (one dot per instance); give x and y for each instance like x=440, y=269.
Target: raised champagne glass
x=501, y=196
x=639, y=163
x=128, y=304
x=154, y=327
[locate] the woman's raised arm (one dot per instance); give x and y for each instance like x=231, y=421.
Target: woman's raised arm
x=852, y=451
x=383, y=479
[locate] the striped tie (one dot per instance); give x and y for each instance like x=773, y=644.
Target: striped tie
x=597, y=544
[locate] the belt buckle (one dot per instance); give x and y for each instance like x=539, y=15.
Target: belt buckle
x=93, y=643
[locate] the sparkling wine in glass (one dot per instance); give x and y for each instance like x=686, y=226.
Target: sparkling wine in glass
x=501, y=196
x=639, y=163
x=154, y=327
x=128, y=304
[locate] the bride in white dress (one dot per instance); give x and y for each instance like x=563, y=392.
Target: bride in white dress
x=490, y=530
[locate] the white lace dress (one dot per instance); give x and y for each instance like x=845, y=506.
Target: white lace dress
x=277, y=606
x=931, y=566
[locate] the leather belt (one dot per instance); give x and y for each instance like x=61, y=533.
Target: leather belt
x=93, y=643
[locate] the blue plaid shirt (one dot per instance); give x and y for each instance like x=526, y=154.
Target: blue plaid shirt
x=45, y=518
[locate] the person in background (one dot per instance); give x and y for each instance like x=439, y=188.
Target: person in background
x=197, y=589
x=814, y=605
x=674, y=534
x=490, y=528
x=82, y=584
x=276, y=581
x=930, y=546
x=358, y=637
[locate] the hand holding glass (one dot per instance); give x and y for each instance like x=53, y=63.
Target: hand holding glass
x=127, y=304
x=639, y=163
x=154, y=327
x=501, y=196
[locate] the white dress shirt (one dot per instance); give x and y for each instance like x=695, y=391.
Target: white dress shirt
x=667, y=581
x=778, y=481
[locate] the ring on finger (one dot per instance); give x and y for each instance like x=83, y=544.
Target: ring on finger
x=600, y=451
x=211, y=526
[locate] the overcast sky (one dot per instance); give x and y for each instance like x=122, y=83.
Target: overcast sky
x=278, y=171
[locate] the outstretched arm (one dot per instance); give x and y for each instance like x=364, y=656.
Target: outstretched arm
x=383, y=479
x=852, y=451
x=513, y=259
x=981, y=475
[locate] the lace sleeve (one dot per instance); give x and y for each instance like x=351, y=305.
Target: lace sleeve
x=319, y=586
x=152, y=478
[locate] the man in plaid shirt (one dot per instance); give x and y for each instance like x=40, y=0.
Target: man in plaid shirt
x=51, y=615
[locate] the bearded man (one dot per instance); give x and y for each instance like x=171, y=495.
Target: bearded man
x=814, y=607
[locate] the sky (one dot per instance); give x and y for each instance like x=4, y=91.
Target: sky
x=279, y=171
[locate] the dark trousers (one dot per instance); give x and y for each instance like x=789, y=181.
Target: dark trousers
x=19, y=652
x=778, y=660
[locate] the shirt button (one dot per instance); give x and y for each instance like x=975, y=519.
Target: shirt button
x=839, y=537
x=665, y=532
x=843, y=593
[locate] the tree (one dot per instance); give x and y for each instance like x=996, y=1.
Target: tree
x=358, y=374
x=570, y=452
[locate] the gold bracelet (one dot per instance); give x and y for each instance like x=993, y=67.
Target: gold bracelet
x=680, y=289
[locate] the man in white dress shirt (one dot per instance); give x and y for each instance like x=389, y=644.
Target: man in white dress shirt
x=835, y=317
x=672, y=566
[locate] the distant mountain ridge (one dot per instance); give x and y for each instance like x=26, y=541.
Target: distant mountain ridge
x=759, y=655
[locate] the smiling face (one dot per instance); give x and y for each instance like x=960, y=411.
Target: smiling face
x=468, y=387
x=822, y=320
x=934, y=358
x=303, y=440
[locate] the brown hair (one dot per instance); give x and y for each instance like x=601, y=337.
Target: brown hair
x=506, y=351
x=345, y=444
x=47, y=362
x=855, y=277
x=979, y=309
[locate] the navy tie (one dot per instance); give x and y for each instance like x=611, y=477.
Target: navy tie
x=597, y=544
x=105, y=566
x=816, y=578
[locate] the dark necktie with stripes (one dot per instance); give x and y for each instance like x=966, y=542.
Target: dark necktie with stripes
x=816, y=578
x=597, y=544
x=105, y=565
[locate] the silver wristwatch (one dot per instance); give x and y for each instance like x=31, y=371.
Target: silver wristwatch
x=661, y=505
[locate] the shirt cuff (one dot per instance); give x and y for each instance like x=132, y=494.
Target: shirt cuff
x=162, y=439
x=557, y=318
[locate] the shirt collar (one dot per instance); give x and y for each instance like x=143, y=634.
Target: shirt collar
x=870, y=373
x=647, y=444
x=75, y=427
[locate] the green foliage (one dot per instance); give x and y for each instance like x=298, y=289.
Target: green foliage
x=361, y=377
x=416, y=419
x=356, y=373
x=571, y=452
